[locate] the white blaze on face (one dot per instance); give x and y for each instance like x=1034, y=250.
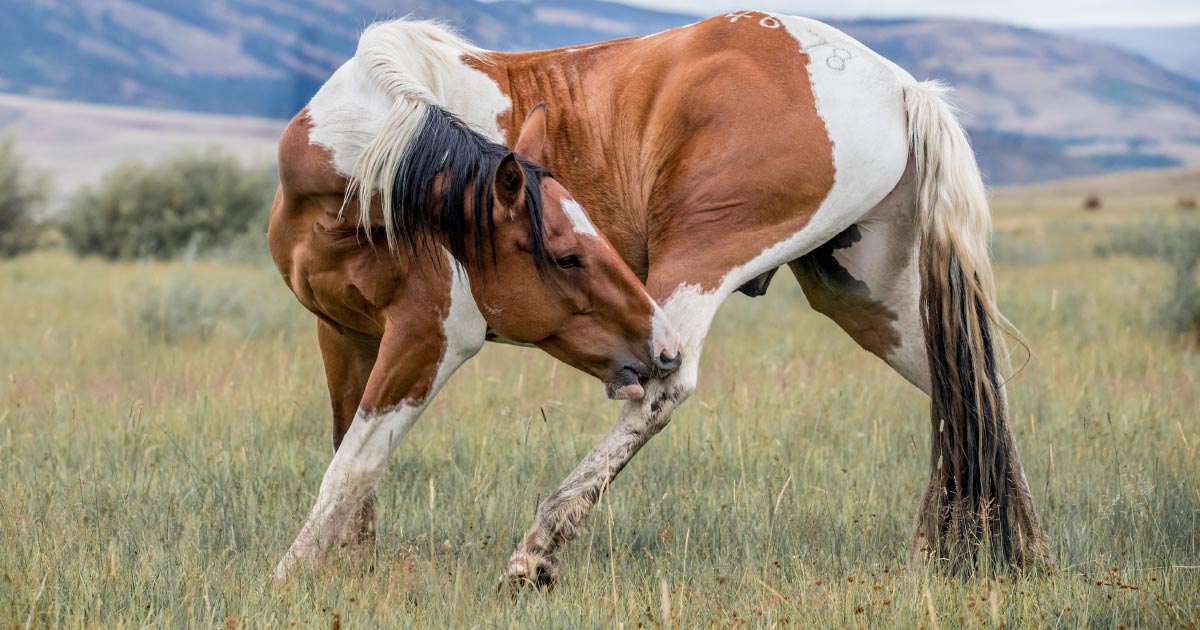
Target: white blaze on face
x=579, y=218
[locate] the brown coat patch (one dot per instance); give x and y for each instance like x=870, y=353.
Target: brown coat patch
x=673, y=143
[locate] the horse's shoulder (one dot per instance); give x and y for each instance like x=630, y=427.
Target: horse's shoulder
x=305, y=167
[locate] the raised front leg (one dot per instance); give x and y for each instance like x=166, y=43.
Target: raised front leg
x=418, y=353
x=535, y=561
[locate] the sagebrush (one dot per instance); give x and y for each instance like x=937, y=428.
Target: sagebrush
x=196, y=201
x=1177, y=244
x=22, y=194
x=185, y=309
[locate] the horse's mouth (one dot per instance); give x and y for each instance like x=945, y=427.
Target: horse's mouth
x=625, y=385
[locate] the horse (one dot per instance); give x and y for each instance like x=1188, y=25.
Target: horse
x=469, y=240
x=711, y=155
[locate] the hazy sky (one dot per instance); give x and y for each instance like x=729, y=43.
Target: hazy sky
x=1027, y=12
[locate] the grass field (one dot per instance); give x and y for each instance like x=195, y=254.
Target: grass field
x=147, y=482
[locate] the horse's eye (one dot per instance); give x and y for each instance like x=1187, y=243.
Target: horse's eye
x=567, y=262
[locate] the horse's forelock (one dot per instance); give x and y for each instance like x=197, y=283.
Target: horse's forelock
x=444, y=163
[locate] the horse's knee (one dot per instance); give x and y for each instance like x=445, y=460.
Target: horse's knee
x=661, y=401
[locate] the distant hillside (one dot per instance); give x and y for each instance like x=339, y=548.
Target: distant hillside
x=1039, y=105
x=254, y=57
x=1181, y=182
x=76, y=143
x=1039, y=83
x=1175, y=48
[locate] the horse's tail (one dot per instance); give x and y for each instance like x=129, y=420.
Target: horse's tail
x=977, y=495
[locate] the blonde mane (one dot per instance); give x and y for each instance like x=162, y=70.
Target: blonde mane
x=407, y=62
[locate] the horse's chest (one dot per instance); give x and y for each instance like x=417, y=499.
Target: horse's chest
x=336, y=274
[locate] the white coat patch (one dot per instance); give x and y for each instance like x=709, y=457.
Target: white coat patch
x=858, y=96
x=348, y=111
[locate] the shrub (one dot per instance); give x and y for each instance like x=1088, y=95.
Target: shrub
x=184, y=309
x=21, y=194
x=1178, y=245
x=178, y=310
x=247, y=248
x=196, y=201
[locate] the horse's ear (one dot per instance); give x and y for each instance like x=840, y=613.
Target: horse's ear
x=509, y=183
x=532, y=140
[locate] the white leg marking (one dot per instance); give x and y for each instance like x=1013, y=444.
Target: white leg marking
x=351, y=475
x=639, y=421
x=365, y=449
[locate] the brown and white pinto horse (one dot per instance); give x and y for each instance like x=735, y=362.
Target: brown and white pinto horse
x=709, y=156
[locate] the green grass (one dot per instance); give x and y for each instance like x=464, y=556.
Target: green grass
x=147, y=483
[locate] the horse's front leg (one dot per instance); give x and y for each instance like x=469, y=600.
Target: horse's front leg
x=349, y=359
x=558, y=516
x=416, y=357
x=534, y=561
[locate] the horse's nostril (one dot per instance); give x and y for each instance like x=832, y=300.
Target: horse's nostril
x=669, y=363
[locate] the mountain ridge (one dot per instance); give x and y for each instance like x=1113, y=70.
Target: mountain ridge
x=1039, y=105
x=1175, y=48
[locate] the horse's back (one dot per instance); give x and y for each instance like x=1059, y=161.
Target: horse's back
x=770, y=66
x=859, y=96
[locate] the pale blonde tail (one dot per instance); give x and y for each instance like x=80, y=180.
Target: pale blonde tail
x=977, y=496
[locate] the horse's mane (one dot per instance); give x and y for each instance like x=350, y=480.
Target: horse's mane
x=424, y=160
x=440, y=167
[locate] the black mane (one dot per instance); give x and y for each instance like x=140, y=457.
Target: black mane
x=466, y=162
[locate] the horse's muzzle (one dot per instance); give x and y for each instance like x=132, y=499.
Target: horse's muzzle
x=627, y=383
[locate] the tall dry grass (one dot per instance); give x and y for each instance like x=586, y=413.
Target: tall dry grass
x=154, y=483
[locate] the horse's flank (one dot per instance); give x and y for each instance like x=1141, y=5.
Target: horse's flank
x=722, y=118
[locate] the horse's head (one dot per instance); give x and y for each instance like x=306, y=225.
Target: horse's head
x=561, y=285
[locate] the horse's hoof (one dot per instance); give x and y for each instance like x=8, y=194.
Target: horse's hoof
x=282, y=572
x=291, y=562
x=528, y=569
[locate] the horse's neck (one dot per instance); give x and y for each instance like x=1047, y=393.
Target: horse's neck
x=598, y=148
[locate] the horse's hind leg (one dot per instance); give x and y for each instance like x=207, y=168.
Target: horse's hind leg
x=349, y=358
x=867, y=280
